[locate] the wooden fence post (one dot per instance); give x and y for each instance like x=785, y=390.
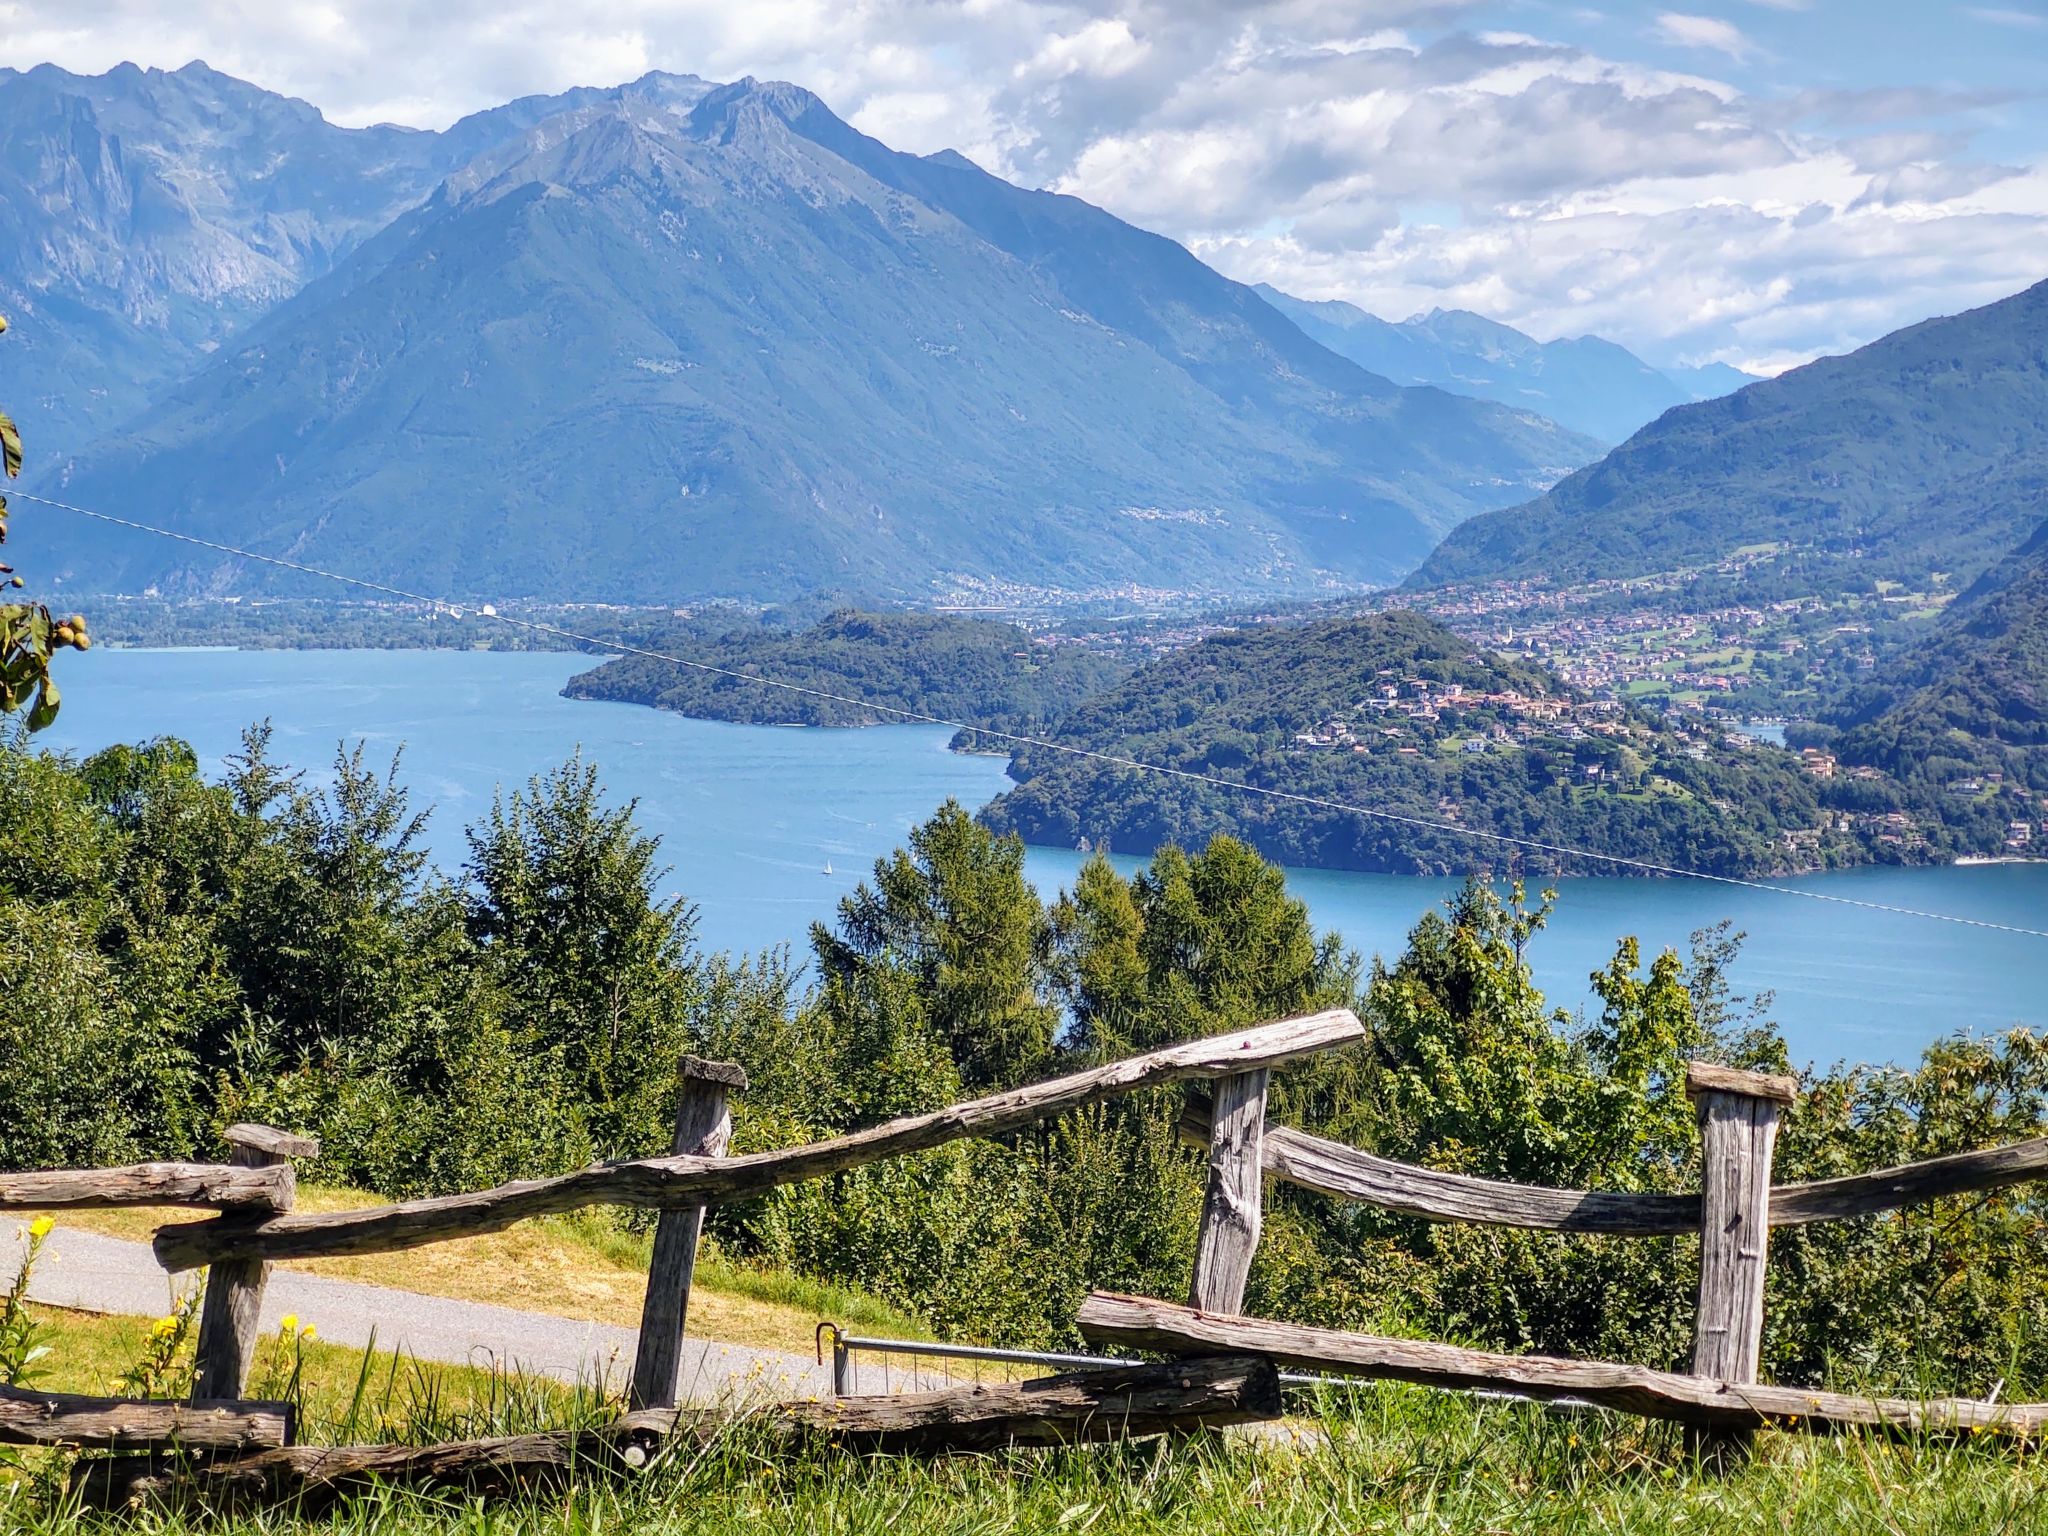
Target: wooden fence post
x=1231, y=1208
x=228, y=1318
x=1738, y=1114
x=703, y=1126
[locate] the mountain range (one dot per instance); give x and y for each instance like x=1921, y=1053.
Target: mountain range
x=1922, y=455
x=669, y=340
x=1585, y=383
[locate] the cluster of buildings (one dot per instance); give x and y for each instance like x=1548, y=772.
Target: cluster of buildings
x=1516, y=717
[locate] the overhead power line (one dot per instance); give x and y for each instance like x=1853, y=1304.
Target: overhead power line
x=489, y=612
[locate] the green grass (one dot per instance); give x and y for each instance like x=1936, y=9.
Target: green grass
x=1381, y=1459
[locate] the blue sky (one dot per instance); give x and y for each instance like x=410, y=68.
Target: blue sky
x=1749, y=181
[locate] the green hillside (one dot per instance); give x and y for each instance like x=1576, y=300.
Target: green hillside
x=1396, y=712
x=1923, y=452
x=1973, y=701
x=953, y=668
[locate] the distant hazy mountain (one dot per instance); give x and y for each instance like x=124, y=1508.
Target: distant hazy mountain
x=148, y=216
x=675, y=342
x=1584, y=383
x=1923, y=452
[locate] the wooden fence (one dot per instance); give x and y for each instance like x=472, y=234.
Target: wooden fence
x=1227, y=1365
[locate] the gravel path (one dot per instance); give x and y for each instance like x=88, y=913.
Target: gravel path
x=88, y=1272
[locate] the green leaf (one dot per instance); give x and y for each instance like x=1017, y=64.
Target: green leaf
x=47, y=702
x=10, y=447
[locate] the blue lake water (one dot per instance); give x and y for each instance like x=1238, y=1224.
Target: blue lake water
x=751, y=817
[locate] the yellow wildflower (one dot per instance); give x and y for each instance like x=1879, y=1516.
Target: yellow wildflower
x=308, y=1333
x=164, y=1327
x=289, y=1323
x=40, y=1227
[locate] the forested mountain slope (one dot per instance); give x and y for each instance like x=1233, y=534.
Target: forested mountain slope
x=730, y=347
x=1974, y=698
x=1923, y=452
x=1397, y=713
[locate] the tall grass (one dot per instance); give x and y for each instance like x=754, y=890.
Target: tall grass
x=1377, y=1459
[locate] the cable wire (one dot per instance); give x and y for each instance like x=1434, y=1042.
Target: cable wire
x=1397, y=818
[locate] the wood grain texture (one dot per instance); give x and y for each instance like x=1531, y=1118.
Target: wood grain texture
x=660, y=1182
x=312, y=1477
x=113, y=1423
x=1332, y=1168
x=1738, y=1132
x=220, y=1185
x=1232, y=1204
x=703, y=1127
x=1114, y=1403
x=268, y=1138
x=1349, y=1174
x=229, y=1313
x=1131, y=1322
x=1709, y=1077
x=1078, y=1407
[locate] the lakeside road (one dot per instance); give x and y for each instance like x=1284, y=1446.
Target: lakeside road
x=84, y=1271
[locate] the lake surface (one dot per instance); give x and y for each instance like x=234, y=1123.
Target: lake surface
x=752, y=817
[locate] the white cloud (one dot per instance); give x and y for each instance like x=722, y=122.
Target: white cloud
x=2005, y=16
x=1373, y=150
x=1709, y=32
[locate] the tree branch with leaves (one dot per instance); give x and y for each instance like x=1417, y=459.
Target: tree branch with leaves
x=29, y=633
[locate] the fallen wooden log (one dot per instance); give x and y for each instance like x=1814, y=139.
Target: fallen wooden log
x=313, y=1476
x=1132, y=1322
x=1332, y=1168
x=664, y=1182
x=205, y=1184
x=1077, y=1407
x=115, y=1423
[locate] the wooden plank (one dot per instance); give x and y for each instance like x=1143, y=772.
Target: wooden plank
x=221, y=1185
x=1738, y=1132
x=1232, y=1204
x=669, y=1181
x=1710, y=1077
x=1346, y=1173
x=115, y=1423
x=1078, y=1407
x=268, y=1138
x=1131, y=1322
x=230, y=1314
x=1113, y=1403
x=1887, y=1189
x=312, y=1477
x=703, y=1126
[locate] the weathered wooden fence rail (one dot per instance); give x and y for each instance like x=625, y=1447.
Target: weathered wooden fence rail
x=147, y=1184
x=668, y=1182
x=1226, y=1363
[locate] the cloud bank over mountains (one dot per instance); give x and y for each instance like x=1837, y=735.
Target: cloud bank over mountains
x=1682, y=180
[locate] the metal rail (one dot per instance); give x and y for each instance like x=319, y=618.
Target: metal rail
x=846, y=1345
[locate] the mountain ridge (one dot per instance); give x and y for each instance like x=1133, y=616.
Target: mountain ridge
x=798, y=359
x=1922, y=453
x=1586, y=383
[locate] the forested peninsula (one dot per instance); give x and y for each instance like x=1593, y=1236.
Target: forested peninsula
x=1468, y=760
x=935, y=665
